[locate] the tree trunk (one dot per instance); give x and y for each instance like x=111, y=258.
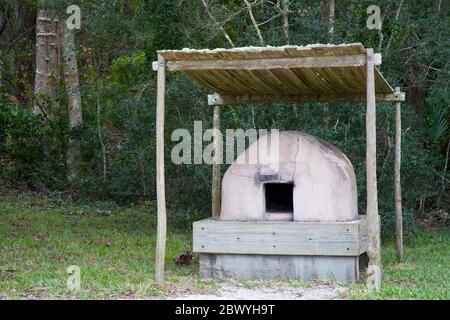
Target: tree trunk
x=24, y=63
x=72, y=84
x=206, y=5
x=285, y=11
x=331, y=18
x=47, y=62
x=252, y=18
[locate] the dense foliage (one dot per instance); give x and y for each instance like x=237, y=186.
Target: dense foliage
x=118, y=42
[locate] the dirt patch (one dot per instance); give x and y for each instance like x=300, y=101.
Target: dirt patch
x=232, y=292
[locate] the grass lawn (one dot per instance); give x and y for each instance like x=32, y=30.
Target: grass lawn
x=424, y=274
x=115, y=247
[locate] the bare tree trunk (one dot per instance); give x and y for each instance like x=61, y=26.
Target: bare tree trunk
x=331, y=20
x=380, y=32
x=72, y=83
x=24, y=63
x=330, y=6
x=205, y=4
x=443, y=175
x=396, y=18
x=99, y=129
x=47, y=62
x=258, y=32
x=285, y=12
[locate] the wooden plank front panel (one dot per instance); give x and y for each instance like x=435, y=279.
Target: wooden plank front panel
x=363, y=236
x=277, y=238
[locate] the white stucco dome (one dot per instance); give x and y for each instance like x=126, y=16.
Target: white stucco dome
x=317, y=176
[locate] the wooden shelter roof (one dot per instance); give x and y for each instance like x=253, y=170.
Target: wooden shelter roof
x=329, y=73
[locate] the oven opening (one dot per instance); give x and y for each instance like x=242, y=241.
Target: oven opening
x=279, y=201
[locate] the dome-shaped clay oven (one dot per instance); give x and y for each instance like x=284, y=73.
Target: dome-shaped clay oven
x=309, y=180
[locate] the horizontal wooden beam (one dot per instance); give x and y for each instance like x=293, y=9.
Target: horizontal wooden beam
x=280, y=238
x=270, y=63
x=217, y=99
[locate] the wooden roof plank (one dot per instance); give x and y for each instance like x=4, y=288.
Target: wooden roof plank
x=283, y=76
x=201, y=81
x=235, y=81
x=355, y=85
x=288, y=70
x=327, y=76
x=207, y=83
x=273, y=80
x=221, y=78
x=332, y=77
x=254, y=78
x=316, y=83
x=381, y=81
x=290, y=76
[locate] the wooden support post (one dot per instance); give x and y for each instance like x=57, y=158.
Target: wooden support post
x=397, y=186
x=160, y=185
x=373, y=219
x=216, y=175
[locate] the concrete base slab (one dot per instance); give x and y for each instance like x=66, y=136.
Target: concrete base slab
x=343, y=269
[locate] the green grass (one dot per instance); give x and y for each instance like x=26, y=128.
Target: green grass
x=424, y=274
x=41, y=236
